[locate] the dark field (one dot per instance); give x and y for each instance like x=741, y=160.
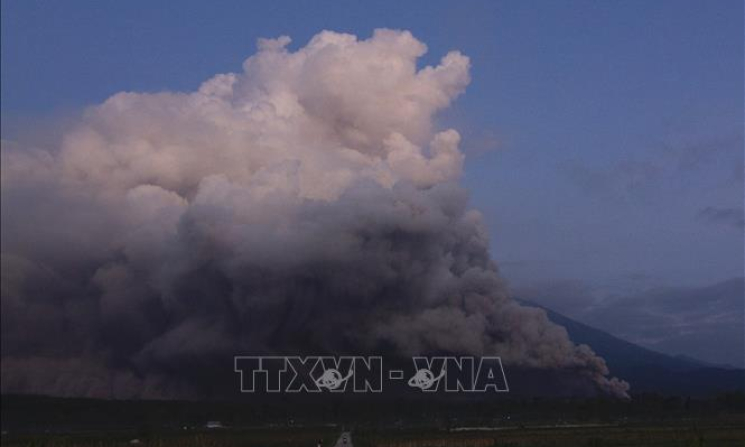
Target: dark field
x=724, y=434
x=721, y=435
x=644, y=421
x=284, y=437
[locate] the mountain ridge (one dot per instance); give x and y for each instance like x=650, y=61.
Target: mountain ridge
x=648, y=370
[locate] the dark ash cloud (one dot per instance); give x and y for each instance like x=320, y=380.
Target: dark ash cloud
x=727, y=216
x=667, y=164
x=306, y=205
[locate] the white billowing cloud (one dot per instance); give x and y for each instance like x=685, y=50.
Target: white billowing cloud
x=305, y=203
x=324, y=116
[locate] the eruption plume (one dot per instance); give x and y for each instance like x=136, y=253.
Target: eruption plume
x=307, y=203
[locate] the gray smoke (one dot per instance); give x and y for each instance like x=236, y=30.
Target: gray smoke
x=307, y=203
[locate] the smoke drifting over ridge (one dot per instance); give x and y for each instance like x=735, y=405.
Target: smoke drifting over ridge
x=306, y=204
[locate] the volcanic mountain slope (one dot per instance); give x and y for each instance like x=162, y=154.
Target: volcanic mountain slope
x=651, y=371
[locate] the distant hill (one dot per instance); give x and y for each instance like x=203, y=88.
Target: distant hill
x=651, y=371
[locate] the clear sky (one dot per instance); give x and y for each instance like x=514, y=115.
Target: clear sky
x=604, y=140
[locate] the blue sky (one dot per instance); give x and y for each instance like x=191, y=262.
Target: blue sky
x=604, y=140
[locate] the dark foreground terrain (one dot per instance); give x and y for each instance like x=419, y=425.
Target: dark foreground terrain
x=709, y=433
x=646, y=420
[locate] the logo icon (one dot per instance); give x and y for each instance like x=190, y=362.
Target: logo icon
x=331, y=379
x=425, y=379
